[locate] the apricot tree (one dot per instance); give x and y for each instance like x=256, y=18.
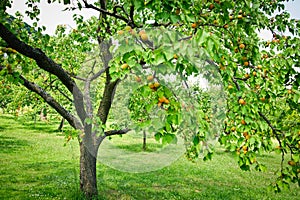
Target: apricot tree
x=260, y=78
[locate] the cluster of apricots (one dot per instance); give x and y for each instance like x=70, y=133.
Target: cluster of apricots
x=162, y=100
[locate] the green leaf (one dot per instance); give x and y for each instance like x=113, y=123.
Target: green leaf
x=67, y=2
x=167, y=138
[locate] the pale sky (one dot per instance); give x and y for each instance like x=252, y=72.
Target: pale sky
x=52, y=14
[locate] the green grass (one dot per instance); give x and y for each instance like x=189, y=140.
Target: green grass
x=35, y=164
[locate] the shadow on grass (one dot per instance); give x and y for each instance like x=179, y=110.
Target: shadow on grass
x=11, y=144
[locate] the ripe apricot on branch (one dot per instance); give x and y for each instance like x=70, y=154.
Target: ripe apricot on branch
x=246, y=63
x=242, y=46
x=124, y=66
x=211, y=6
x=142, y=32
x=259, y=67
x=132, y=32
x=166, y=101
x=242, y=101
x=292, y=163
x=144, y=37
x=225, y=26
x=150, y=78
x=194, y=25
x=151, y=86
x=243, y=122
x=120, y=32
x=138, y=79
x=162, y=99
x=156, y=84
x=127, y=28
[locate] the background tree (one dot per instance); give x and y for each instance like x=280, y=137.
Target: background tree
x=260, y=77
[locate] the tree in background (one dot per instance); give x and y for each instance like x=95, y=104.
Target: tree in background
x=260, y=78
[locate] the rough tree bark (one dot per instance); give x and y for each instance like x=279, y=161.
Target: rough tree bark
x=88, y=177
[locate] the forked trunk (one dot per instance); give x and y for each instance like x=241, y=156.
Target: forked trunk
x=88, y=181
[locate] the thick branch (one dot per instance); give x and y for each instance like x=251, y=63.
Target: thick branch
x=268, y=122
x=73, y=121
x=117, y=132
x=46, y=64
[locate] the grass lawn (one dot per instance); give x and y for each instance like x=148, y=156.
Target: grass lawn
x=35, y=164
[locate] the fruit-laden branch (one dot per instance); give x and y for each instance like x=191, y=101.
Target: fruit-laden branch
x=46, y=64
x=269, y=124
x=73, y=121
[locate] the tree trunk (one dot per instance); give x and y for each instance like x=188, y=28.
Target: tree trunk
x=144, y=141
x=61, y=125
x=88, y=178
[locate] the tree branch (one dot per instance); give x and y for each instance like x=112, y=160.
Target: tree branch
x=117, y=132
x=73, y=121
x=87, y=5
x=46, y=64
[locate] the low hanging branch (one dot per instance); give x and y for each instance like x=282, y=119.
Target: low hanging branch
x=73, y=121
x=46, y=64
x=117, y=132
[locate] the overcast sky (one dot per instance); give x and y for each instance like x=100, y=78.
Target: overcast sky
x=52, y=14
